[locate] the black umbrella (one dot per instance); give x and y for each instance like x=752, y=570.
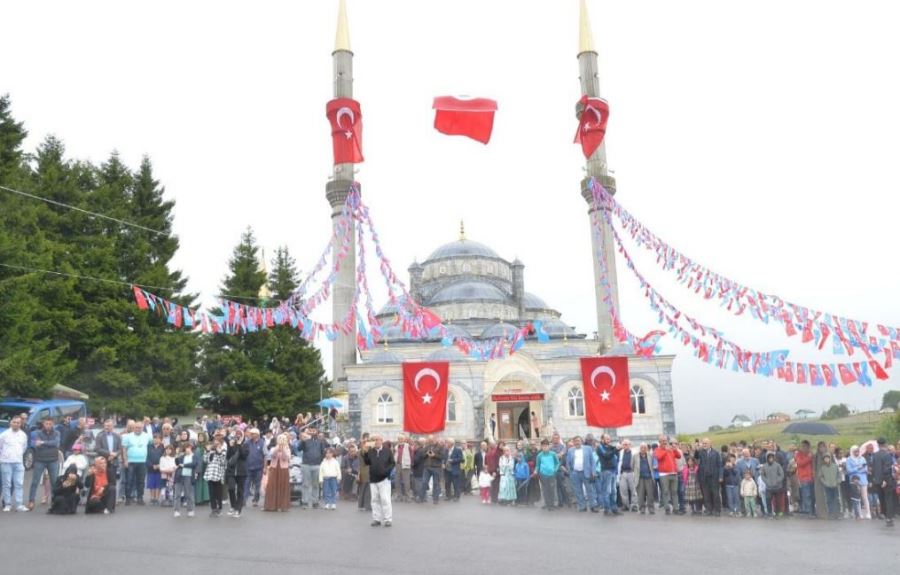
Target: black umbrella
x=810, y=428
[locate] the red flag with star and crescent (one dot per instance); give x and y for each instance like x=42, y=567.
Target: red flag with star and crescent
x=592, y=124
x=425, y=396
x=607, y=391
x=346, y=130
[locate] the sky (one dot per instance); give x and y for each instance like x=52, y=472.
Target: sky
x=759, y=139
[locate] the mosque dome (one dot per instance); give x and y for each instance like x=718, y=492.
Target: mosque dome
x=470, y=290
x=534, y=302
x=499, y=330
x=462, y=248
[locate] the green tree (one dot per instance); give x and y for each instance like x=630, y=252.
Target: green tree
x=891, y=399
x=836, y=411
x=274, y=371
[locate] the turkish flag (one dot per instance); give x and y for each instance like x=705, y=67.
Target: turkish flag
x=346, y=130
x=592, y=124
x=139, y=297
x=425, y=396
x=607, y=392
x=847, y=375
x=471, y=117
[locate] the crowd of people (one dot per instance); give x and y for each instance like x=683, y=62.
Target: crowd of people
x=152, y=462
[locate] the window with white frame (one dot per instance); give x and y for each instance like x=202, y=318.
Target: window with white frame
x=575, y=403
x=451, y=406
x=384, y=408
x=638, y=404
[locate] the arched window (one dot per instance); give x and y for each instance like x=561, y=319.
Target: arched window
x=384, y=408
x=637, y=400
x=576, y=403
x=451, y=406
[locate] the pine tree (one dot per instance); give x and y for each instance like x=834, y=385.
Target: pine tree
x=267, y=372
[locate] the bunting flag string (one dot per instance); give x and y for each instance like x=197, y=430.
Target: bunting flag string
x=813, y=326
x=724, y=353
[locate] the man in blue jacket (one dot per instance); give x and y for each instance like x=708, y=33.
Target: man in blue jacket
x=45, y=442
x=256, y=462
x=608, y=456
x=580, y=463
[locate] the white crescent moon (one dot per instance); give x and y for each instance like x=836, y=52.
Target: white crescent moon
x=432, y=373
x=603, y=369
x=597, y=114
x=345, y=111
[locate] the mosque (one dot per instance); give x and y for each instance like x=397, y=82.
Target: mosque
x=481, y=295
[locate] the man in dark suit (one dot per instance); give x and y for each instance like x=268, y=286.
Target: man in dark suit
x=454, y=461
x=883, y=480
x=711, y=476
x=108, y=444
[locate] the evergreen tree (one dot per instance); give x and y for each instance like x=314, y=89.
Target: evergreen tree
x=274, y=371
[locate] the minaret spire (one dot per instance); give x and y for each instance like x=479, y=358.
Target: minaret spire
x=596, y=169
x=342, y=37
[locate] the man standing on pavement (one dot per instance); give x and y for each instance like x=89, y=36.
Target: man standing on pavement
x=627, y=482
x=434, y=463
x=884, y=482
x=13, y=443
x=108, y=445
x=545, y=467
x=666, y=467
x=712, y=474
x=607, y=454
x=805, y=478
x=454, y=468
x=580, y=462
x=46, y=457
x=256, y=463
x=558, y=447
x=134, y=447
x=381, y=462
x=313, y=451
x=403, y=457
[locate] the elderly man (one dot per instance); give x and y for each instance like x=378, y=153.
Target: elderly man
x=256, y=463
x=627, y=482
x=711, y=476
x=381, y=462
x=13, y=443
x=312, y=449
x=580, y=462
x=666, y=455
x=403, y=455
x=646, y=490
x=454, y=468
x=134, y=454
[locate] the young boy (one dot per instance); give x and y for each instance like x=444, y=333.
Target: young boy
x=855, y=497
x=749, y=492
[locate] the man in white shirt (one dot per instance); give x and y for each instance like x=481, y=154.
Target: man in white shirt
x=13, y=443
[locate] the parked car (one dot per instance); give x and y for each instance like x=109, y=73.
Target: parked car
x=35, y=411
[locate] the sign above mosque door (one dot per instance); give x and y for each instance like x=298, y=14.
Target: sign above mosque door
x=517, y=397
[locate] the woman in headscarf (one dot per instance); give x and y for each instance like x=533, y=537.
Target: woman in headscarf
x=201, y=487
x=856, y=466
x=101, y=488
x=278, y=482
x=66, y=493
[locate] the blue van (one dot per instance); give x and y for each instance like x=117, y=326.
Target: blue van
x=37, y=410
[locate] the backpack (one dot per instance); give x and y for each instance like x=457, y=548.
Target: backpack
x=522, y=471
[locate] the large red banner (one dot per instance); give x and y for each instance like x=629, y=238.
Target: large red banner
x=425, y=396
x=346, y=130
x=607, y=391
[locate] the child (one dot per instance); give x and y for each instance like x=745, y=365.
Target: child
x=186, y=465
x=732, y=486
x=692, y=493
x=856, y=497
x=330, y=477
x=749, y=493
x=167, y=468
x=761, y=488
x=507, y=492
x=484, y=485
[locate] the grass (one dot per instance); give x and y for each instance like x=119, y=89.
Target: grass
x=852, y=430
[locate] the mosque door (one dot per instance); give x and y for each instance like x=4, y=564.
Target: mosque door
x=508, y=415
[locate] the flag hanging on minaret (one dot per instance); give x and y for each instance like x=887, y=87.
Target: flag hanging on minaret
x=346, y=130
x=592, y=124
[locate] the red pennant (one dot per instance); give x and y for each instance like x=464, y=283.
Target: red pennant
x=789, y=372
x=847, y=375
x=888, y=359
x=346, y=130
x=139, y=298
x=592, y=126
x=607, y=391
x=801, y=373
x=825, y=333
x=807, y=332
x=879, y=371
x=425, y=396
x=470, y=117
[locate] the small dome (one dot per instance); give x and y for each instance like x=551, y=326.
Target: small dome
x=556, y=328
x=462, y=248
x=565, y=351
x=468, y=291
x=391, y=333
x=499, y=330
x=534, y=302
x=456, y=331
x=391, y=308
x=447, y=354
x=384, y=357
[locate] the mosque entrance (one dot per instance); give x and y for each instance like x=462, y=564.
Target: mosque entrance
x=517, y=415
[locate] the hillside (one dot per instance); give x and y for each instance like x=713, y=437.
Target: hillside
x=854, y=429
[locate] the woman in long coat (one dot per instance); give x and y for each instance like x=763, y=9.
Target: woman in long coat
x=507, y=479
x=66, y=493
x=278, y=481
x=201, y=487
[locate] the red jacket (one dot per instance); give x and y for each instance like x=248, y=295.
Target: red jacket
x=665, y=460
x=804, y=466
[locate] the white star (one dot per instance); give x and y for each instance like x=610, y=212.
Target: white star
x=604, y=396
x=348, y=134
x=426, y=398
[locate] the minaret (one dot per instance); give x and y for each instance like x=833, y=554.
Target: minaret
x=596, y=168
x=344, y=347
x=264, y=294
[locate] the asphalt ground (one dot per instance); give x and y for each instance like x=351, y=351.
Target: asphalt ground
x=451, y=537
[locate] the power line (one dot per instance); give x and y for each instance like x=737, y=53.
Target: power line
x=117, y=282
x=88, y=212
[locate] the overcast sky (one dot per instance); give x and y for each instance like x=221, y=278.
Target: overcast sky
x=758, y=138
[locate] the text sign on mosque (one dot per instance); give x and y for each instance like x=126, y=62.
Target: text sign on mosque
x=517, y=397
